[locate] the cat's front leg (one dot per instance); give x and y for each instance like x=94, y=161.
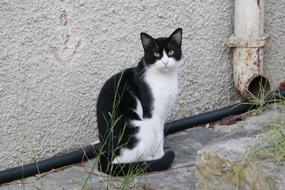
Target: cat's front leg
x=158, y=151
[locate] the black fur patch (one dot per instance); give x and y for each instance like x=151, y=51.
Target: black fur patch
x=115, y=106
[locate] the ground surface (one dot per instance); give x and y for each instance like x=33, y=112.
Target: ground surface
x=182, y=174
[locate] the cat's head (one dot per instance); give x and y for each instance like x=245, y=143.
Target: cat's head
x=162, y=53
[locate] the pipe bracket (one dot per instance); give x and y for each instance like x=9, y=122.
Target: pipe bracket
x=237, y=42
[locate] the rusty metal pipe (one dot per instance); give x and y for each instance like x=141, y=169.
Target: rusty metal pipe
x=248, y=41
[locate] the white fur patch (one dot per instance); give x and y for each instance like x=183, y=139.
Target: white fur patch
x=139, y=109
x=162, y=79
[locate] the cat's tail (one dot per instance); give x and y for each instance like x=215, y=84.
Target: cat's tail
x=137, y=167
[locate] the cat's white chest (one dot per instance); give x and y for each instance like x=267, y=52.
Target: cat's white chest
x=164, y=88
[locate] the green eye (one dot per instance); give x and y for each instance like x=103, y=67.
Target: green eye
x=171, y=52
x=156, y=54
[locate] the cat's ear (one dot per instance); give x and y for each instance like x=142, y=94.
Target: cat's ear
x=147, y=41
x=176, y=37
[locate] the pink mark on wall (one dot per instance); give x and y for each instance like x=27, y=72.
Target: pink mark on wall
x=61, y=56
x=63, y=18
x=69, y=45
x=65, y=37
x=258, y=3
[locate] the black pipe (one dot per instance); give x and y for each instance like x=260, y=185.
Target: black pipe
x=215, y=115
x=32, y=169
x=91, y=151
x=207, y=117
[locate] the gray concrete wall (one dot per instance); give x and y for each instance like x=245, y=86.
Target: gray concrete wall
x=56, y=55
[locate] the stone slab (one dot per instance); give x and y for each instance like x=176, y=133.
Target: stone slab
x=180, y=176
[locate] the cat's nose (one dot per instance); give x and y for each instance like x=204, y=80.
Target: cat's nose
x=165, y=62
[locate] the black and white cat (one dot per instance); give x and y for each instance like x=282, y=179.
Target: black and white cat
x=132, y=108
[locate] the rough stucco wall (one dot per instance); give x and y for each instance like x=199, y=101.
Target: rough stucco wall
x=56, y=55
x=274, y=56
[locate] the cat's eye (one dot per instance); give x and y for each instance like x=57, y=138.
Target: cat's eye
x=171, y=52
x=156, y=54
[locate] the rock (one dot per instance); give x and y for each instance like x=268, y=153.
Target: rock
x=224, y=165
x=228, y=164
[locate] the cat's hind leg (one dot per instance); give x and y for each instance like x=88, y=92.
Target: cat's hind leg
x=139, y=167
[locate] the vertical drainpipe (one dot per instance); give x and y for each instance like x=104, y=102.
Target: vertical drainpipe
x=248, y=41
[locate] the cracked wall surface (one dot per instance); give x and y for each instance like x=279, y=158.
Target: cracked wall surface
x=56, y=55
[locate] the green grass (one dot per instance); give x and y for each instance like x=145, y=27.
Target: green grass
x=272, y=146
x=269, y=149
x=262, y=100
x=123, y=183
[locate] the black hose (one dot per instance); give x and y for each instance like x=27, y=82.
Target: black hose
x=91, y=151
x=215, y=115
x=32, y=169
x=207, y=117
